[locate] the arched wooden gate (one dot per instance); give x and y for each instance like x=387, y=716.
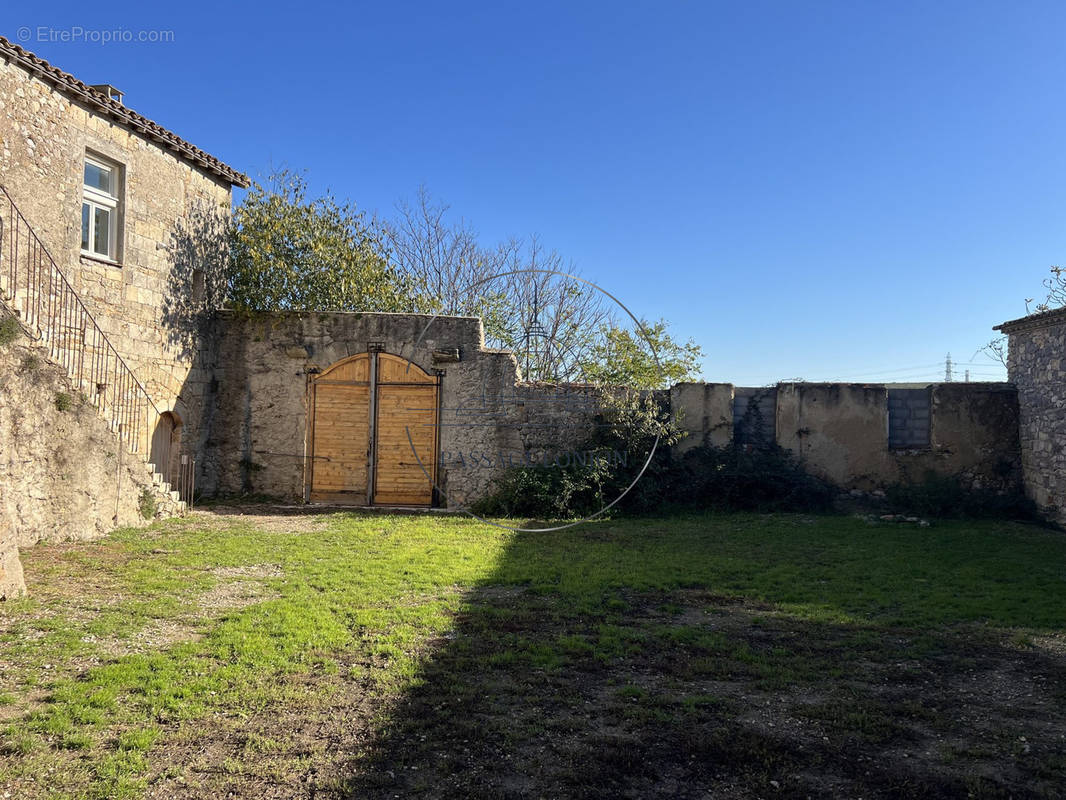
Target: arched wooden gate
x=362, y=410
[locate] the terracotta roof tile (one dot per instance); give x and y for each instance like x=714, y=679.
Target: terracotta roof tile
x=85, y=95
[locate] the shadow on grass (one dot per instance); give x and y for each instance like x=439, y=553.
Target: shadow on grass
x=691, y=660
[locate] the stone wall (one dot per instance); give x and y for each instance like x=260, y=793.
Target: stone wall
x=143, y=302
x=1037, y=366
x=490, y=419
x=705, y=412
x=63, y=474
x=840, y=431
x=258, y=441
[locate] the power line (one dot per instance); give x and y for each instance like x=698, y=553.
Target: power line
x=889, y=371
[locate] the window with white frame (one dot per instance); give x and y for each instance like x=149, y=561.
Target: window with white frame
x=101, y=208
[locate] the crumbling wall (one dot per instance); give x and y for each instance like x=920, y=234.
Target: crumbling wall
x=489, y=419
x=841, y=431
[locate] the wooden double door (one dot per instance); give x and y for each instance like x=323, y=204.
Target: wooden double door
x=374, y=423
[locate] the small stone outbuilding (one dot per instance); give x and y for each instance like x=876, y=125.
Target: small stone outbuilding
x=1036, y=365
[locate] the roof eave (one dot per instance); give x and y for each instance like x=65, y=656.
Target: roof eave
x=141, y=125
x=1056, y=316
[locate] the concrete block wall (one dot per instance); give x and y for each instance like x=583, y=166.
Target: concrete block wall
x=908, y=418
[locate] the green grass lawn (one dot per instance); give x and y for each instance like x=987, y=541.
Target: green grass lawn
x=263, y=655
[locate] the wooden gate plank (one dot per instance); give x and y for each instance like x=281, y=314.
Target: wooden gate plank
x=341, y=438
x=398, y=478
x=393, y=369
x=405, y=398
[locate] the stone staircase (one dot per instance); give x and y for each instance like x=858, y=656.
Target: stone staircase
x=168, y=498
x=164, y=489
x=36, y=293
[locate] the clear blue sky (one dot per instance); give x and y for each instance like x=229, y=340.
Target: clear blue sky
x=808, y=189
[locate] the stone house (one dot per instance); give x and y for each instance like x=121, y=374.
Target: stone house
x=1036, y=365
x=93, y=203
x=106, y=218
x=106, y=190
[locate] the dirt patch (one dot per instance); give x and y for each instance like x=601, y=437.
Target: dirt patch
x=158, y=634
x=274, y=519
x=238, y=587
x=279, y=754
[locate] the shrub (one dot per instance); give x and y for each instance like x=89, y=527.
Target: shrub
x=31, y=363
x=64, y=402
x=948, y=496
x=147, y=504
x=10, y=330
x=744, y=478
x=624, y=433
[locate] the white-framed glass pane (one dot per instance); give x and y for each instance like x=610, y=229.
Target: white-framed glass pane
x=86, y=214
x=101, y=231
x=99, y=177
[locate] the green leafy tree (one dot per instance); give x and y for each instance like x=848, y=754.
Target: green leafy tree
x=651, y=359
x=291, y=252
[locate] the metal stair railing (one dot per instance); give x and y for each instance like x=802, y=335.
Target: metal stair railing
x=38, y=294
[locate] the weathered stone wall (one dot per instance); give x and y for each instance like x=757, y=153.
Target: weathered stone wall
x=44, y=137
x=489, y=419
x=705, y=412
x=841, y=431
x=1037, y=366
x=63, y=474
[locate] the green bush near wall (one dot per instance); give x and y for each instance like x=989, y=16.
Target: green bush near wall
x=948, y=496
x=147, y=505
x=733, y=478
x=743, y=478
x=10, y=330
